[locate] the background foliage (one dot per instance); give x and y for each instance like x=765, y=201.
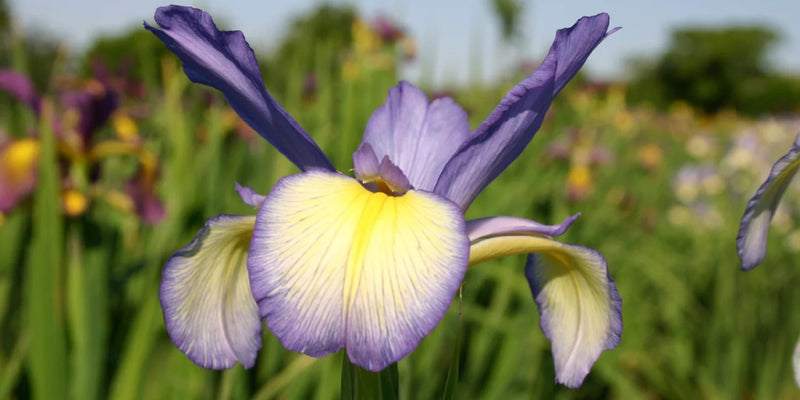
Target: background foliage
x=661, y=190
x=715, y=69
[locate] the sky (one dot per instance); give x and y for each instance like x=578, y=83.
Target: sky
x=458, y=40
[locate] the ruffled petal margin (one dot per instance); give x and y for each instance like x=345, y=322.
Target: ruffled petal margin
x=579, y=305
x=751, y=242
x=209, y=311
x=225, y=61
x=334, y=265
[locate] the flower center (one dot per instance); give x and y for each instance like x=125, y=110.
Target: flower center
x=383, y=176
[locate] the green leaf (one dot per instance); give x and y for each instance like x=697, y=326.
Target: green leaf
x=360, y=384
x=47, y=357
x=451, y=385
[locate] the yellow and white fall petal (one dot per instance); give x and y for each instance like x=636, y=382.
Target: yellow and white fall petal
x=209, y=310
x=335, y=265
x=579, y=305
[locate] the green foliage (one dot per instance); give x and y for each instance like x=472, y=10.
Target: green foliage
x=136, y=53
x=714, y=69
x=316, y=42
x=5, y=19
x=360, y=384
x=508, y=13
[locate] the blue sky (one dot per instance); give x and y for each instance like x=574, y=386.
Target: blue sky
x=458, y=40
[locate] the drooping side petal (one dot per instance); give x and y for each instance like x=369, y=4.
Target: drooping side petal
x=510, y=127
x=334, y=265
x=20, y=87
x=225, y=61
x=579, y=305
x=497, y=226
x=418, y=137
x=752, y=239
x=209, y=310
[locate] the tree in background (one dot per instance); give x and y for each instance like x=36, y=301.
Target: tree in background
x=33, y=53
x=315, y=40
x=508, y=13
x=135, y=54
x=714, y=69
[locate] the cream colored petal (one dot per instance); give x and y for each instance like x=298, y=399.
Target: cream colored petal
x=209, y=310
x=580, y=308
x=334, y=265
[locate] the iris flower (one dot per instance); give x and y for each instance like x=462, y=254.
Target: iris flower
x=752, y=239
x=86, y=109
x=371, y=263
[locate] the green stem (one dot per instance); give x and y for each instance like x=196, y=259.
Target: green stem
x=451, y=385
x=47, y=358
x=360, y=384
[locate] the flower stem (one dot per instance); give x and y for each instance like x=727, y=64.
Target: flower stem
x=360, y=384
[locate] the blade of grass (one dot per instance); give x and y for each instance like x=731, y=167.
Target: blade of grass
x=360, y=384
x=451, y=385
x=13, y=365
x=47, y=361
x=88, y=320
x=278, y=382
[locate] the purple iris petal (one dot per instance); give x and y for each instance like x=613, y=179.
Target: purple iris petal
x=225, y=61
x=752, y=239
x=418, y=137
x=513, y=123
x=148, y=205
x=94, y=107
x=249, y=196
x=20, y=87
x=365, y=163
x=495, y=226
x=394, y=176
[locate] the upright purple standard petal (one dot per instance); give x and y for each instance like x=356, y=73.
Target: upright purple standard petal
x=752, y=239
x=418, y=137
x=224, y=61
x=513, y=123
